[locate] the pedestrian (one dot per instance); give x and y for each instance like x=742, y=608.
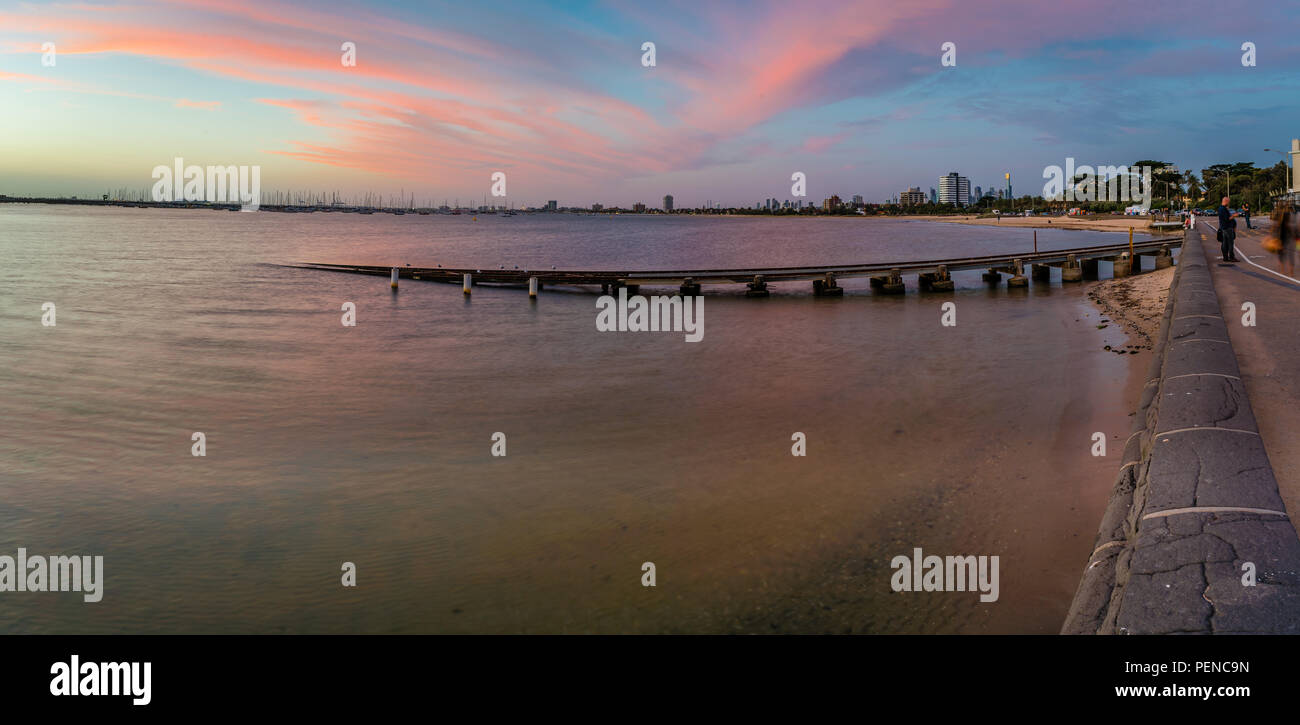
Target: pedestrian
x=1227, y=232
x=1245, y=212
x=1286, y=234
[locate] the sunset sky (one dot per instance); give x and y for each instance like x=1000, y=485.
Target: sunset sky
x=555, y=95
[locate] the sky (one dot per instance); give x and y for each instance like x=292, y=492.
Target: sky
x=556, y=94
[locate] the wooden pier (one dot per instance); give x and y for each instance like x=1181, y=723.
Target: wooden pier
x=886, y=277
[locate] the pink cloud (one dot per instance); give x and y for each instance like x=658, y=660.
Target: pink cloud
x=203, y=105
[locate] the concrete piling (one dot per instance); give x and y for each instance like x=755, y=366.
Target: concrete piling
x=393, y=283
x=894, y=283
x=757, y=288
x=1040, y=272
x=1018, y=279
x=992, y=276
x=1123, y=266
x=532, y=287
x=1164, y=259
x=942, y=281
x=1071, y=272
x=827, y=287
x=466, y=281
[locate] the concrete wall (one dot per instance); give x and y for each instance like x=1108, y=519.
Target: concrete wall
x=1195, y=499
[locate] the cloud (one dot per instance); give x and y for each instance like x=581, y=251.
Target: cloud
x=203, y=105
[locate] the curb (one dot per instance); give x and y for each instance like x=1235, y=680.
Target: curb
x=1195, y=500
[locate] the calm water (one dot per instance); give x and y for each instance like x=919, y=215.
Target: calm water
x=371, y=444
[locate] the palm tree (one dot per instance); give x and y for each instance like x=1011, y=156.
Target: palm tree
x=1194, y=189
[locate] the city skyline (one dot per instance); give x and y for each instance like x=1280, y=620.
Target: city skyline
x=739, y=98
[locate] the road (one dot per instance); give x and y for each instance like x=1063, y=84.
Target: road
x=1269, y=352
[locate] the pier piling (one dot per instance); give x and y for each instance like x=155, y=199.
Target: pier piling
x=757, y=288
x=942, y=281
x=827, y=287
x=1040, y=272
x=1071, y=272
x=1123, y=266
x=1018, y=279
x=1164, y=259
x=894, y=283
x=532, y=287
x=393, y=283
x=466, y=281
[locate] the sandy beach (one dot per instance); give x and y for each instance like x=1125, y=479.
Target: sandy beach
x=1105, y=223
x=1136, y=303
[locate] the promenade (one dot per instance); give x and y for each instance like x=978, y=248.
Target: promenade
x=1197, y=537
x=1268, y=353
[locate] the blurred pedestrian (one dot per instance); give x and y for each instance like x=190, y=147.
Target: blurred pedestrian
x=1286, y=234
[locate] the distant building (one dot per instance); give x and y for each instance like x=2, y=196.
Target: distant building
x=979, y=194
x=832, y=203
x=912, y=196
x=857, y=200
x=552, y=205
x=668, y=202
x=954, y=189
x=1295, y=165
x=597, y=207
x=934, y=196
x=638, y=208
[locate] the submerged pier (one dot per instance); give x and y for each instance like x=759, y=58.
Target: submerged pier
x=886, y=277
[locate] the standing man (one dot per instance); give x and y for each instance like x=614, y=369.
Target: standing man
x=1245, y=212
x=1227, y=232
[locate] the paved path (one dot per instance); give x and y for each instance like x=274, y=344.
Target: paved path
x=1269, y=353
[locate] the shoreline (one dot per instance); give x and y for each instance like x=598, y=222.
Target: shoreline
x=1134, y=303
x=1139, y=224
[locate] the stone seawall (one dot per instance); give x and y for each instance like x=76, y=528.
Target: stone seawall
x=1195, y=514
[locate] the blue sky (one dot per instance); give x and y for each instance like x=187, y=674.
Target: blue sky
x=554, y=94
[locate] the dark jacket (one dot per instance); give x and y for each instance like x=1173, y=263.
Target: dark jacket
x=1225, y=218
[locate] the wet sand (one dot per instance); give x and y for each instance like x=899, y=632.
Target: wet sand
x=1135, y=303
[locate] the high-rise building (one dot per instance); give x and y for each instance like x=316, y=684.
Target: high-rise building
x=979, y=194
x=668, y=202
x=857, y=200
x=638, y=208
x=832, y=203
x=913, y=195
x=954, y=189
x=934, y=196
x=551, y=205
